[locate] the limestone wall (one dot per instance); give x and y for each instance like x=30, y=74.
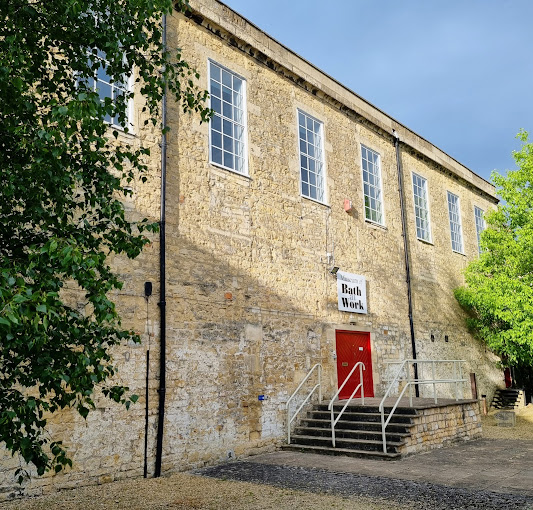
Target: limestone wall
x=442, y=426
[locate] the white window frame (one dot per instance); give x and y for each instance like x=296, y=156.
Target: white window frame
x=379, y=188
x=480, y=225
x=127, y=90
x=426, y=198
x=244, y=125
x=458, y=223
x=321, y=160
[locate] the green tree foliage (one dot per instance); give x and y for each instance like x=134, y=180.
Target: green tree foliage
x=499, y=286
x=62, y=178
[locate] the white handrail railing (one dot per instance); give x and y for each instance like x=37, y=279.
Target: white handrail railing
x=290, y=419
x=456, y=379
x=334, y=422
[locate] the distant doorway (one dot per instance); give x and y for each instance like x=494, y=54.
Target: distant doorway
x=352, y=347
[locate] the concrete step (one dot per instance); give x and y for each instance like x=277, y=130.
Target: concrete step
x=364, y=435
x=355, y=444
x=348, y=452
x=361, y=416
x=356, y=425
x=508, y=398
x=337, y=407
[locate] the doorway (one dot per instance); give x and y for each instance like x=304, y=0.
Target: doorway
x=353, y=347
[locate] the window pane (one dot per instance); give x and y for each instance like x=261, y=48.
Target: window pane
x=215, y=89
x=228, y=159
x=216, y=105
x=227, y=110
x=102, y=75
x=215, y=72
x=226, y=78
x=228, y=144
x=216, y=138
x=104, y=90
x=216, y=122
x=216, y=155
x=228, y=127
x=227, y=94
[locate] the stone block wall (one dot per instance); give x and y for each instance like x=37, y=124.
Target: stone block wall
x=442, y=426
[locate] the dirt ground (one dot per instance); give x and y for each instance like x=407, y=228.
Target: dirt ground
x=522, y=430
x=189, y=492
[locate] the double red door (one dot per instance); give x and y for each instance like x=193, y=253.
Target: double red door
x=352, y=347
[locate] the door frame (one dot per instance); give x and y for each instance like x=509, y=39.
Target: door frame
x=331, y=331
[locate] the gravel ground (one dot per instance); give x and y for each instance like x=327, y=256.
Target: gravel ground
x=251, y=486
x=419, y=495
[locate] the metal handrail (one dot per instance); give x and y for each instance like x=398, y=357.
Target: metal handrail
x=318, y=385
x=410, y=383
x=334, y=422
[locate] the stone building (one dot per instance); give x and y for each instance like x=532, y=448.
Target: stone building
x=294, y=176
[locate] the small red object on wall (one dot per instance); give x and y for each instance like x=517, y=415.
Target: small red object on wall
x=347, y=205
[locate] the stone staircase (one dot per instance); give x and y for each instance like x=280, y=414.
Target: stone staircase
x=358, y=433
x=509, y=398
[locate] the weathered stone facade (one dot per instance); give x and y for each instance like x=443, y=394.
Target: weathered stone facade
x=251, y=303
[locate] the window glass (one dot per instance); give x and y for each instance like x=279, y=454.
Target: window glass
x=227, y=141
x=480, y=225
x=420, y=195
x=370, y=162
x=103, y=84
x=311, y=157
x=456, y=231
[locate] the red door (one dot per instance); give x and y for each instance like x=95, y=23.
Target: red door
x=352, y=347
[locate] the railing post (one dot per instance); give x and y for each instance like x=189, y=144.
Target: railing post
x=288, y=425
x=320, y=382
x=332, y=428
x=433, y=375
x=383, y=435
x=461, y=379
x=455, y=379
x=410, y=386
x=361, y=367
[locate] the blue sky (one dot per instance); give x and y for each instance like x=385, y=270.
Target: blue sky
x=457, y=72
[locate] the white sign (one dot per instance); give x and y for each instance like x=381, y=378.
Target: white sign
x=351, y=290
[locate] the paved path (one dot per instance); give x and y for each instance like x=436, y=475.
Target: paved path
x=487, y=474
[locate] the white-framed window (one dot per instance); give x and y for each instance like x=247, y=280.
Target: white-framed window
x=420, y=195
x=480, y=225
x=103, y=84
x=456, y=231
x=311, y=157
x=373, y=193
x=227, y=133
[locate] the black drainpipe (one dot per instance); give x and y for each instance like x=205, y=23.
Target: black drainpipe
x=406, y=252
x=162, y=280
